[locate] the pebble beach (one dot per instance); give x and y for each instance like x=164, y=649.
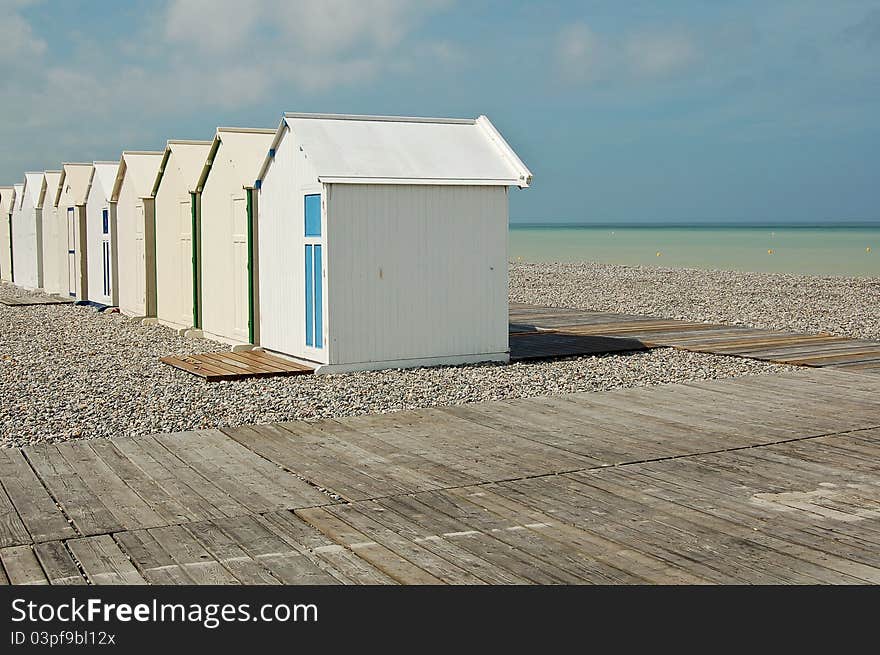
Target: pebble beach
x=69, y=372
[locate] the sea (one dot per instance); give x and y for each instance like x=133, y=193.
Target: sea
x=840, y=250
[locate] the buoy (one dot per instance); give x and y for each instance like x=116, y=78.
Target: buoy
x=659, y=253
x=770, y=252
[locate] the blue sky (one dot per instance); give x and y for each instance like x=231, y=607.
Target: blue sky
x=624, y=111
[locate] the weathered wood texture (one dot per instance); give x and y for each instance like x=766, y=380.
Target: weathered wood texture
x=544, y=332
x=30, y=301
x=219, y=367
x=766, y=479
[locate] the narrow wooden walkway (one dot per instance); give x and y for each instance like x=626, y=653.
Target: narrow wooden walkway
x=30, y=301
x=539, y=329
x=770, y=479
x=219, y=367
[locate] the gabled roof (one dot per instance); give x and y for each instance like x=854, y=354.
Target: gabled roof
x=33, y=184
x=403, y=150
x=75, y=181
x=244, y=147
x=49, y=188
x=189, y=158
x=103, y=172
x=140, y=167
x=19, y=195
x=7, y=196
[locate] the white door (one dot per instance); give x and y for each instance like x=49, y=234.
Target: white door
x=71, y=251
x=240, y=274
x=186, y=265
x=140, y=278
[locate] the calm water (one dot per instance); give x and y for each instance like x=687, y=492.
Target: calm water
x=811, y=250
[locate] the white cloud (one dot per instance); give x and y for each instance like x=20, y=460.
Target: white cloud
x=578, y=51
x=18, y=40
x=584, y=55
x=659, y=54
x=211, y=25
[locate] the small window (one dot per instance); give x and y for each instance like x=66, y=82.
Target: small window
x=313, y=215
x=106, y=222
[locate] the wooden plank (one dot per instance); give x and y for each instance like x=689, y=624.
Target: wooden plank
x=103, y=562
x=267, y=357
x=130, y=510
x=382, y=558
x=57, y=563
x=151, y=560
x=441, y=546
x=21, y=566
x=189, y=554
x=87, y=511
x=201, y=369
x=35, y=508
x=434, y=523
x=226, y=366
x=244, y=475
x=12, y=530
x=201, y=499
x=189, y=447
x=279, y=486
x=290, y=565
x=168, y=508
x=360, y=518
x=336, y=560
x=227, y=552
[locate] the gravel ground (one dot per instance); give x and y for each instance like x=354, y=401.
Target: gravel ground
x=800, y=303
x=69, y=372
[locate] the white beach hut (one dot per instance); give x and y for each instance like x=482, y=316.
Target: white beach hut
x=176, y=250
x=7, y=199
x=70, y=207
x=227, y=289
x=383, y=241
x=54, y=246
x=17, y=196
x=135, y=232
x=101, y=235
x=27, y=234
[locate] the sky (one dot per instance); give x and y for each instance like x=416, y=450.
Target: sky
x=637, y=111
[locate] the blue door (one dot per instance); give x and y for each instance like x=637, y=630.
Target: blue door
x=313, y=274
x=71, y=252
x=105, y=250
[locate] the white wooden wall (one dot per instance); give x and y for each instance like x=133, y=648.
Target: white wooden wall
x=224, y=253
x=131, y=251
x=415, y=272
x=5, y=252
x=174, y=280
x=27, y=245
x=95, y=237
x=282, y=254
x=54, y=264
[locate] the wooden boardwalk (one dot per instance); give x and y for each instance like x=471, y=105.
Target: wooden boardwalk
x=30, y=301
x=218, y=367
x=768, y=479
x=536, y=329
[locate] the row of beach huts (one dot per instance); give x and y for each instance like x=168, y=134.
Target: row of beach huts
x=344, y=242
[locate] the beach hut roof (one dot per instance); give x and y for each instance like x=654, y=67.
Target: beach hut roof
x=141, y=167
x=49, y=188
x=105, y=172
x=75, y=179
x=33, y=184
x=245, y=146
x=189, y=156
x=7, y=195
x=19, y=195
x=403, y=150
